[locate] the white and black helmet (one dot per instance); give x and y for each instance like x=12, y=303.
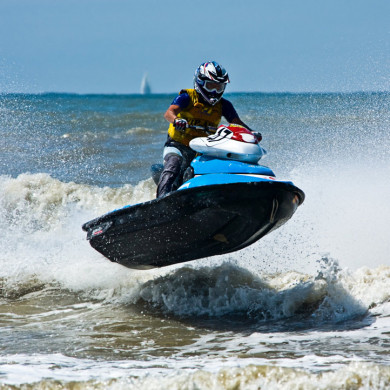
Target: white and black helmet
x=210, y=81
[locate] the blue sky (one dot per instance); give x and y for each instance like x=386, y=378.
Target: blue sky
x=105, y=46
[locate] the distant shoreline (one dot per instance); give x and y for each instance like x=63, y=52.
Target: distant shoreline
x=153, y=95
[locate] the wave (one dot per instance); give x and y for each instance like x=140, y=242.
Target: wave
x=352, y=376
x=333, y=295
x=40, y=220
x=45, y=200
x=42, y=244
x=226, y=291
x=104, y=135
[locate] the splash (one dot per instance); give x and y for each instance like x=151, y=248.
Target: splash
x=333, y=295
x=43, y=245
x=355, y=375
x=42, y=240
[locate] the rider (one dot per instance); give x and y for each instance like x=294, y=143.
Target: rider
x=202, y=106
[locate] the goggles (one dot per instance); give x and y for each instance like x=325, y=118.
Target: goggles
x=212, y=86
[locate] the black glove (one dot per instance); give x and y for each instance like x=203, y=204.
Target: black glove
x=258, y=135
x=180, y=124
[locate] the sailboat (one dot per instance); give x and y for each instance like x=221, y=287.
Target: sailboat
x=145, y=86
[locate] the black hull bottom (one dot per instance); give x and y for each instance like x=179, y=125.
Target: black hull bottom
x=194, y=223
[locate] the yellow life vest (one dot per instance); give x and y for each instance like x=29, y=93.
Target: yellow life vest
x=196, y=114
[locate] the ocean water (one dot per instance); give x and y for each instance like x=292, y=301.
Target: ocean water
x=306, y=307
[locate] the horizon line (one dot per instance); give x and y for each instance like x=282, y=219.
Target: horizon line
x=175, y=93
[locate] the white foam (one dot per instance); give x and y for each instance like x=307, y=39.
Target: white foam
x=50, y=371
x=42, y=241
x=42, y=238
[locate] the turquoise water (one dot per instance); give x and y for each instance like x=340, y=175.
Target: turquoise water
x=306, y=307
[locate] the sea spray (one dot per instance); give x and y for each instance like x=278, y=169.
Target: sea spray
x=228, y=290
x=41, y=220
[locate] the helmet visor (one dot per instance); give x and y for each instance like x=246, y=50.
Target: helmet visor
x=213, y=86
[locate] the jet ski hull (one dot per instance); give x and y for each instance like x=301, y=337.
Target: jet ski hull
x=193, y=223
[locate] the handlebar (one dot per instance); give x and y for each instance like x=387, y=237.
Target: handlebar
x=207, y=129
x=210, y=130
x=214, y=129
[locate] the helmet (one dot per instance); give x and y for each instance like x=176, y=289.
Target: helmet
x=210, y=81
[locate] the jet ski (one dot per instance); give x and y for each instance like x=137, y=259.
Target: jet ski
x=226, y=202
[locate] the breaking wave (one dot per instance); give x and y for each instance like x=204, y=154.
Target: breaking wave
x=42, y=245
x=352, y=376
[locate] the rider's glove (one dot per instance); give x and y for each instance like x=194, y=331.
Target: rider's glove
x=258, y=136
x=180, y=124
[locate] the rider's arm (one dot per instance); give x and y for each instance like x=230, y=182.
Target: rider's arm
x=238, y=121
x=179, y=103
x=229, y=112
x=172, y=112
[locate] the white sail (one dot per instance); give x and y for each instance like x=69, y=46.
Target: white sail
x=145, y=86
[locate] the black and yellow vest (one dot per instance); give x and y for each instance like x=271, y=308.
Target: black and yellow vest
x=196, y=114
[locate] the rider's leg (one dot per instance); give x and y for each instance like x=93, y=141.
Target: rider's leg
x=173, y=160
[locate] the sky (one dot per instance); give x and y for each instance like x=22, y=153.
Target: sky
x=106, y=46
